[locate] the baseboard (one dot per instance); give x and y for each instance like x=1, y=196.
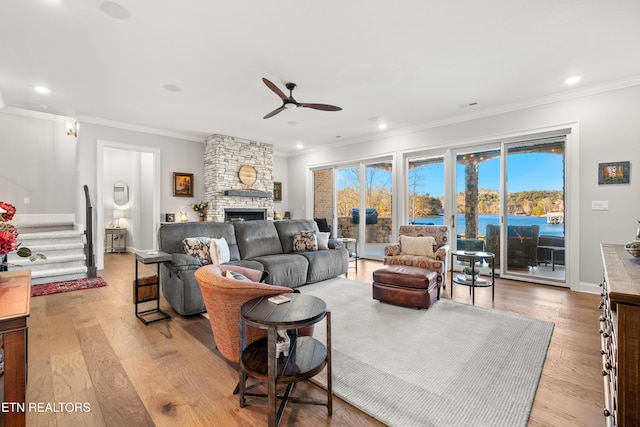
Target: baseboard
x=590, y=288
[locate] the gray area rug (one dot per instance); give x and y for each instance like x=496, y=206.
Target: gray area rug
x=450, y=365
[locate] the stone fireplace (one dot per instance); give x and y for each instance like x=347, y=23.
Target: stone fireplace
x=223, y=158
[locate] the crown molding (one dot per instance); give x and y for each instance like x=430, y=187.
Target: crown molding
x=35, y=114
x=139, y=128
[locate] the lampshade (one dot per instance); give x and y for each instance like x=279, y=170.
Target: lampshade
x=117, y=214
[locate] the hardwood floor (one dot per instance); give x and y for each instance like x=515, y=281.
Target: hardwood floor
x=88, y=346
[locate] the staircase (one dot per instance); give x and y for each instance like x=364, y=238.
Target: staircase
x=61, y=241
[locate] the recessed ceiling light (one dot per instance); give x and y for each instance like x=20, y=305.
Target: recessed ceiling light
x=42, y=89
x=573, y=80
x=292, y=123
x=375, y=119
x=172, y=88
x=114, y=9
x=299, y=145
x=382, y=126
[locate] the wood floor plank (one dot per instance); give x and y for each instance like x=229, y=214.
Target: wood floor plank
x=118, y=399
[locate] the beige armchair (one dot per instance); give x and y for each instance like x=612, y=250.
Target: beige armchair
x=393, y=254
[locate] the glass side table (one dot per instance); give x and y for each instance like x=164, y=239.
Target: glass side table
x=474, y=281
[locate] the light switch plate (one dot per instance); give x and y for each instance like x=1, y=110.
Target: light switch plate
x=599, y=205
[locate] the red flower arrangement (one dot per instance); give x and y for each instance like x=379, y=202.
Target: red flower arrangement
x=9, y=234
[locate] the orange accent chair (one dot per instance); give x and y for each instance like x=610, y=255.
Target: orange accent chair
x=223, y=298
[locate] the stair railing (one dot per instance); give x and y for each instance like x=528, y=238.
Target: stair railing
x=92, y=270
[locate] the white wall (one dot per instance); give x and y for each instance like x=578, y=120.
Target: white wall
x=177, y=155
x=280, y=174
x=37, y=161
x=609, y=130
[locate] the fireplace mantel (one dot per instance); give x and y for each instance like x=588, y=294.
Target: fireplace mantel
x=248, y=193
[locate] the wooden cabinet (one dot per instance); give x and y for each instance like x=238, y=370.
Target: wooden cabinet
x=15, y=305
x=620, y=336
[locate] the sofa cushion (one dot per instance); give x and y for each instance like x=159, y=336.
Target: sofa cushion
x=257, y=238
x=325, y=265
x=304, y=241
x=170, y=235
x=198, y=248
x=285, y=270
x=287, y=228
x=419, y=246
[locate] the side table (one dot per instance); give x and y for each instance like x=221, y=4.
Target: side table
x=115, y=239
x=307, y=356
x=553, y=250
x=147, y=289
x=475, y=281
x=353, y=256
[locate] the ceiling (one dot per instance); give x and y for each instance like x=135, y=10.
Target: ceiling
x=411, y=63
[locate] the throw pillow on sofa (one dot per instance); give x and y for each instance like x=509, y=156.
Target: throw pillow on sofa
x=198, y=247
x=323, y=239
x=219, y=251
x=417, y=246
x=305, y=241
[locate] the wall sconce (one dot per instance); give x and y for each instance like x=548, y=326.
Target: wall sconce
x=117, y=214
x=72, y=128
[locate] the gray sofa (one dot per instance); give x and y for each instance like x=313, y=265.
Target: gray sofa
x=261, y=245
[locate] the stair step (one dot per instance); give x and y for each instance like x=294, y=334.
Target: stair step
x=46, y=238
x=29, y=228
x=58, y=275
x=51, y=263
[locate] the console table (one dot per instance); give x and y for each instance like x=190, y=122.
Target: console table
x=15, y=304
x=619, y=336
x=307, y=356
x=115, y=239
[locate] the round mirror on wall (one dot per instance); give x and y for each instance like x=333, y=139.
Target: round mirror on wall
x=120, y=193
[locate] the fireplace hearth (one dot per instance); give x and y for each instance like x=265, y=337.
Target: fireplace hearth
x=252, y=214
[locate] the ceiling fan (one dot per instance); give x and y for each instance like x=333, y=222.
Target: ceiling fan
x=289, y=102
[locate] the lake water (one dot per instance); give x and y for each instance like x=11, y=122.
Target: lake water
x=483, y=220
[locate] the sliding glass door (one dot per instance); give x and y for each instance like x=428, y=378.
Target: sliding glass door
x=535, y=243
x=510, y=201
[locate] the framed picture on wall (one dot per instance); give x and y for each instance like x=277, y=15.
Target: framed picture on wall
x=182, y=184
x=277, y=191
x=614, y=173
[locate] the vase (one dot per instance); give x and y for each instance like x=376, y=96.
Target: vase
x=201, y=216
x=282, y=346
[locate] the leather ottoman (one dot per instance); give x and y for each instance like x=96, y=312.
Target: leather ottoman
x=406, y=286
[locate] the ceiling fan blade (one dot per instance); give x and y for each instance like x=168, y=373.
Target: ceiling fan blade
x=274, y=112
x=275, y=89
x=323, y=107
